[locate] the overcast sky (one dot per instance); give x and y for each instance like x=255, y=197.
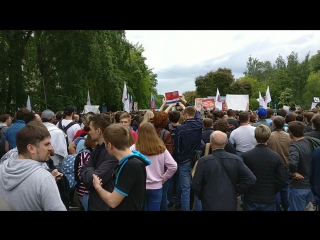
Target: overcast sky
x=179, y=56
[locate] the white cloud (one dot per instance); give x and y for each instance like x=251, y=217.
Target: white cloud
x=178, y=57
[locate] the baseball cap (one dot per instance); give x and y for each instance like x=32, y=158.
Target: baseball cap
x=47, y=114
x=69, y=109
x=262, y=112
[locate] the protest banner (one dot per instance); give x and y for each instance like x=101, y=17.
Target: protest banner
x=172, y=97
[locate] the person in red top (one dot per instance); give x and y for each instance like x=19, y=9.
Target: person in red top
x=125, y=120
x=84, y=131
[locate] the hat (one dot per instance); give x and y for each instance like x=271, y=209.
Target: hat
x=262, y=112
x=69, y=109
x=47, y=114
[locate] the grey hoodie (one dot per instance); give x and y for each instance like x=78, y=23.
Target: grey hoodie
x=27, y=186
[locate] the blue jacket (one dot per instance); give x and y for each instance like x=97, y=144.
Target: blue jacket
x=182, y=146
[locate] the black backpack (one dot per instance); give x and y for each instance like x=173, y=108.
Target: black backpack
x=65, y=128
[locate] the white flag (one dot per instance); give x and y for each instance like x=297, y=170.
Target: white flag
x=88, y=99
x=316, y=99
x=261, y=101
x=125, y=99
x=268, y=96
x=28, y=104
x=218, y=102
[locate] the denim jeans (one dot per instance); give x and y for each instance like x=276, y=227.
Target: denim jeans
x=299, y=198
x=282, y=196
x=250, y=206
x=185, y=183
x=197, y=205
x=164, y=200
x=174, y=188
x=84, y=201
x=153, y=199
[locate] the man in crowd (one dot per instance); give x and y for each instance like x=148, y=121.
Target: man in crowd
x=57, y=137
x=187, y=138
x=220, y=177
x=280, y=142
x=269, y=170
x=24, y=183
x=100, y=163
x=300, y=155
x=130, y=176
x=19, y=123
x=242, y=138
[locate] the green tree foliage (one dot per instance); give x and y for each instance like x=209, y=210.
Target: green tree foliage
x=287, y=98
x=57, y=68
x=207, y=85
x=312, y=89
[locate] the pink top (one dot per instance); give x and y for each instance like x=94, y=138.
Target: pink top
x=134, y=135
x=155, y=171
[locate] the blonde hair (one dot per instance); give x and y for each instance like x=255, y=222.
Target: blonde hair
x=147, y=117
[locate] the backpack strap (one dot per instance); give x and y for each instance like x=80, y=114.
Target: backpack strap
x=162, y=133
x=69, y=125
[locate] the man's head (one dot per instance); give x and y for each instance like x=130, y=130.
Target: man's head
x=308, y=116
x=33, y=142
x=315, y=110
x=125, y=119
x=244, y=117
x=48, y=116
x=262, y=133
x=207, y=123
x=230, y=112
x=21, y=113
x=189, y=112
x=69, y=110
x=97, y=125
x=117, y=116
x=296, y=129
x=6, y=118
x=221, y=125
x=270, y=113
x=278, y=122
x=174, y=116
x=262, y=113
x=282, y=112
x=290, y=117
x=76, y=117
x=315, y=120
x=218, y=139
x=117, y=137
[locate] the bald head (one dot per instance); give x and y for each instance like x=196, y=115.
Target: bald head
x=38, y=118
x=218, y=139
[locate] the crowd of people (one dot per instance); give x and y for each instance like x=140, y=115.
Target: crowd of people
x=140, y=161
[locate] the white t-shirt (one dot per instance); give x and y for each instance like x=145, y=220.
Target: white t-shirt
x=71, y=132
x=243, y=137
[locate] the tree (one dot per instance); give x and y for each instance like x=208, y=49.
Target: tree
x=287, y=98
x=207, y=85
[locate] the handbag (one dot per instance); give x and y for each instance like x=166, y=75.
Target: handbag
x=206, y=152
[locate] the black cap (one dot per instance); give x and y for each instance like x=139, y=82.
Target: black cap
x=69, y=109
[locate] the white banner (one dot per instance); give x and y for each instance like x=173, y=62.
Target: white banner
x=91, y=108
x=237, y=102
x=313, y=105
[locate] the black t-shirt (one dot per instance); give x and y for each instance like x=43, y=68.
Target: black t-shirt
x=130, y=181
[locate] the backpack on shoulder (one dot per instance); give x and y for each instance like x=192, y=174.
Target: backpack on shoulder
x=65, y=129
x=78, y=162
